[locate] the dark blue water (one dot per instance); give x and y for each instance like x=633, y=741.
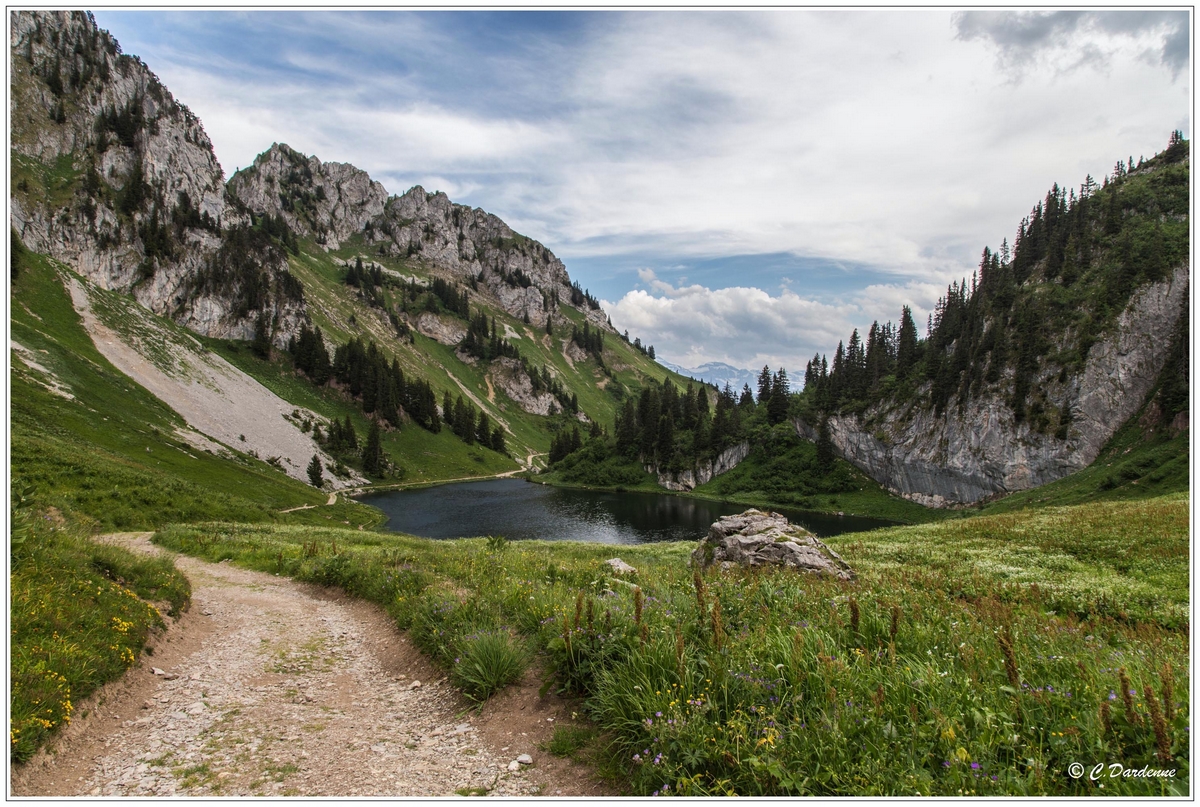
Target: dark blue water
x=518, y=510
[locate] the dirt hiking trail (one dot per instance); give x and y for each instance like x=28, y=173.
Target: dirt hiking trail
x=266, y=686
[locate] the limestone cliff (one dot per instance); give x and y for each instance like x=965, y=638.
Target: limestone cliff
x=691, y=478
x=113, y=176
x=980, y=450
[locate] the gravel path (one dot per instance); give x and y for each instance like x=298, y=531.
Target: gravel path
x=270, y=687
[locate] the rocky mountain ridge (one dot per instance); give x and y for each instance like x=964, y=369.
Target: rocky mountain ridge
x=333, y=202
x=115, y=177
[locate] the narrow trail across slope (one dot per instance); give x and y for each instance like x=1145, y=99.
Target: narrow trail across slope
x=271, y=687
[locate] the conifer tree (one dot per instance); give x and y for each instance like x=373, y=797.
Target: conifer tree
x=372, y=455
x=314, y=472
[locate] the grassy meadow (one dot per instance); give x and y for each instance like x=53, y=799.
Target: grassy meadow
x=973, y=657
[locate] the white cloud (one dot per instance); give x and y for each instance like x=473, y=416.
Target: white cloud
x=887, y=139
x=748, y=327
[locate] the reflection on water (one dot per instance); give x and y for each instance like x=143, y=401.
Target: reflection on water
x=518, y=510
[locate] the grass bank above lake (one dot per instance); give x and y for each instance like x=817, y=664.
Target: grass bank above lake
x=976, y=656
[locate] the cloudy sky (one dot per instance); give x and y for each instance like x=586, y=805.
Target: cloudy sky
x=735, y=186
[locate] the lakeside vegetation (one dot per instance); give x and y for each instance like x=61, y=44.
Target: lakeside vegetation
x=978, y=656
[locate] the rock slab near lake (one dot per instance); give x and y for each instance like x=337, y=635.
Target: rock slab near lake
x=755, y=538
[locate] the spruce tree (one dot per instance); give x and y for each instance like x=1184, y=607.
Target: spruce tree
x=314, y=472
x=372, y=455
x=262, y=336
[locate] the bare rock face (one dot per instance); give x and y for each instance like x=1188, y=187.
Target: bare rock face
x=508, y=375
x=755, y=538
x=445, y=330
x=329, y=201
x=142, y=207
x=967, y=455
x=690, y=478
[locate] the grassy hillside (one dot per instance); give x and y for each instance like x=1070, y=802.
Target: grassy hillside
x=91, y=441
x=979, y=656
x=342, y=312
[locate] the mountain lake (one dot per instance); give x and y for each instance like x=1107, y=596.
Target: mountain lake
x=518, y=510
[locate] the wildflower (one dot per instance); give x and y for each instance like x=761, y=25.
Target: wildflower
x=974, y=766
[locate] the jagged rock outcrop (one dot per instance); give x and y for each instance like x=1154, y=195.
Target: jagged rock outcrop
x=445, y=330
x=508, y=375
x=329, y=201
x=704, y=471
x=967, y=455
x=755, y=538
x=333, y=201
x=116, y=178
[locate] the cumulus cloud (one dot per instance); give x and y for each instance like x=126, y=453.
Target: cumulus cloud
x=749, y=327
x=884, y=140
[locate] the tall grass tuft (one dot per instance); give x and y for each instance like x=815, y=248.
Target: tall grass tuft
x=487, y=662
x=1168, y=691
x=718, y=627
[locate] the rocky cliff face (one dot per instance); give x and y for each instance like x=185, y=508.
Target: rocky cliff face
x=332, y=202
x=967, y=455
x=692, y=478
x=116, y=178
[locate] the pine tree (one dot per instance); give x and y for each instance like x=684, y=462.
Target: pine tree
x=372, y=455
x=262, y=336
x=314, y=472
x=825, y=455
x=777, y=404
x=906, y=347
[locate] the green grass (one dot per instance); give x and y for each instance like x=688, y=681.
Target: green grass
x=970, y=657
x=569, y=739
x=79, y=616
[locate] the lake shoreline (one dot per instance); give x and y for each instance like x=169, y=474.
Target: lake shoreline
x=542, y=511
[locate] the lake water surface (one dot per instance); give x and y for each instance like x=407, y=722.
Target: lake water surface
x=518, y=510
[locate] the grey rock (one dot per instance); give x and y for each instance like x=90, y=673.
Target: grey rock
x=173, y=155
x=619, y=566
x=525, y=759
x=508, y=375
x=755, y=538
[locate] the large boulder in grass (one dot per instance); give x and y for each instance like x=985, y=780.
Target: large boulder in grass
x=755, y=538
